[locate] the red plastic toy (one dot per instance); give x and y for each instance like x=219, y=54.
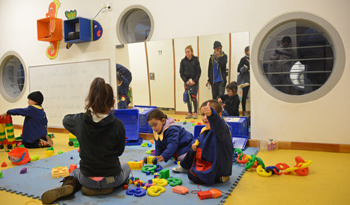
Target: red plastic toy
x=211, y=193
x=4, y=164
x=72, y=167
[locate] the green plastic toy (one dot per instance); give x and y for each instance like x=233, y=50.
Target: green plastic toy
x=164, y=174
x=149, y=151
x=144, y=144
x=150, y=168
x=0, y=174
x=76, y=144
x=174, y=181
x=22, y=146
x=60, y=152
x=50, y=148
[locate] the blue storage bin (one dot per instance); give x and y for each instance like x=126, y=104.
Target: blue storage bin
x=239, y=125
x=130, y=119
x=84, y=29
x=144, y=127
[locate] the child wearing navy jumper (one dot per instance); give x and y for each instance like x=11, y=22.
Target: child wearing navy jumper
x=231, y=100
x=211, y=161
x=34, y=133
x=170, y=139
x=123, y=89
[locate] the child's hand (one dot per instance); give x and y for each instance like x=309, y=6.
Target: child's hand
x=194, y=147
x=207, y=109
x=160, y=158
x=219, y=100
x=4, y=115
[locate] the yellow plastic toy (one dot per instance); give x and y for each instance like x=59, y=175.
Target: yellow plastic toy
x=261, y=171
x=160, y=182
x=49, y=153
x=196, y=143
x=155, y=190
x=135, y=165
x=59, y=171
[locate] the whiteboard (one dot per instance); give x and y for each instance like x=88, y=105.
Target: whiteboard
x=65, y=86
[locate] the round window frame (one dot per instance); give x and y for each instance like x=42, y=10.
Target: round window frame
x=3, y=92
x=338, y=50
x=123, y=17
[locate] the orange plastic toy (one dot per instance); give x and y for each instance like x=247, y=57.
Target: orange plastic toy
x=180, y=190
x=211, y=193
x=19, y=156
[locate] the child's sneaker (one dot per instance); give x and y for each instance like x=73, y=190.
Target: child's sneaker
x=52, y=195
x=224, y=179
x=179, y=169
x=195, y=116
x=43, y=143
x=188, y=116
x=92, y=192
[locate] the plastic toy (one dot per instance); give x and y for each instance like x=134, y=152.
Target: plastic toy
x=138, y=165
x=149, y=184
x=19, y=156
x=158, y=168
x=34, y=158
x=178, y=162
x=125, y=186
x=138, y=192
x=174, y=181
x=144, y=144
x=212, y=193
x=130, y=181
x=0, y=174
x=152, y=141
x=160, y=182
x=49, y=153
x=59, y=171
x=4, y=164
x=150, y=160
x=164, y=174
x=184, y=123
x=149, y=144
x=148, y=173
x=6, y=126
x=22, y=146
x=199, y=123
x=155, y=190
x=72, y=139
x=180, y=190
x=153, y=152
x=72, y=167
x=261, y=171
x=24, y=170
x=60, y=152
x=71, y=157
x=196, y=143
x=50, y=148
x=149, y=151
x=150, y=168
x=76, y=144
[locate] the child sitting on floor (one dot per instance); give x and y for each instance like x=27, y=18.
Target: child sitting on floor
x=102, y=140
x=34, y=134
x=211, y=161
x=170, y=139
x=231, y=100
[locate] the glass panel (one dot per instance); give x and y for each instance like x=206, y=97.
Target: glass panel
x=297, y=58
x=13, y=77
x=137, y=27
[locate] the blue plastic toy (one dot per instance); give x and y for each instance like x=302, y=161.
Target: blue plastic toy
x=138, y=192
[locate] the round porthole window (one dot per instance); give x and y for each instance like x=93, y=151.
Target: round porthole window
x=12, y=74
x=298, y=59
x=135, y=25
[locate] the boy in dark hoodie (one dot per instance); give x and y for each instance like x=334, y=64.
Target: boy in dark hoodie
x=34, y=133
x=170, y=139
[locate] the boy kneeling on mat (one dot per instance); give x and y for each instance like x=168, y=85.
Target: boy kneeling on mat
x=211, y=161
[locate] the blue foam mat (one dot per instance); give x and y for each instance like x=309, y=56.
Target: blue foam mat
x=38, y=179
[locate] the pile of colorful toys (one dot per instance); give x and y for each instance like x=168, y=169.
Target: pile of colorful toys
x=251, y=161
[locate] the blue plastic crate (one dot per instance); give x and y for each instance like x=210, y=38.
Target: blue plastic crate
x=239, y=125
x=144, y=127
x=130, y=119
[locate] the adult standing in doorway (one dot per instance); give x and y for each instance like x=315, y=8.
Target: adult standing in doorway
x=244, y=70
x=190, y=72
x=124, y=71
x=217, y=71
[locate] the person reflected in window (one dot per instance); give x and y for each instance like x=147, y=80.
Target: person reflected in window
x=281, y=58
x=190, y=72
x=244, y=67
x=217, y=71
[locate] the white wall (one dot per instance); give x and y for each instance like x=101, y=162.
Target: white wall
x=324, y=120
x=162, y=65
x=180, y=44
